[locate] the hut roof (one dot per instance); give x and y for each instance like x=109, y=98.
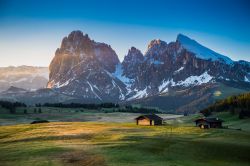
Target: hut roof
x=210, y=120
x=150, y=117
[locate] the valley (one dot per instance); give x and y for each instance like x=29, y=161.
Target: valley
x=70, y=115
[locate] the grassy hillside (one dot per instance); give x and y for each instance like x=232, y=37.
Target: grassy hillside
x=233, y=121
x=110, y=144
x=223, y=91
x=236, y=105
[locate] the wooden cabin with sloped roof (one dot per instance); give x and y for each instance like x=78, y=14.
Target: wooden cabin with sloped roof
x=206, y=123
x=149, y=120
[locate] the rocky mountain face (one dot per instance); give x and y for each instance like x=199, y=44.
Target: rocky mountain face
x=83, y=68
x=183, y=69
x=182, y=64
x=131, y=62
x=26, y=77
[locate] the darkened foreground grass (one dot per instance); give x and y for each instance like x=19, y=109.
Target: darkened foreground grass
x=121, y=144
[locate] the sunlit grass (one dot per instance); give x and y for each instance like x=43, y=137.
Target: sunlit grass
x=123, y=144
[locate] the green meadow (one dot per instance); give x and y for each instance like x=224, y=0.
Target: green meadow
x=110, y=143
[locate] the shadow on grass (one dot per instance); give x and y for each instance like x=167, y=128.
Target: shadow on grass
x=81, y=158
x=176, y=150
x=50, y=155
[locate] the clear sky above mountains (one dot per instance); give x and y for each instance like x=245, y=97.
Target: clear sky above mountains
x=30, y=31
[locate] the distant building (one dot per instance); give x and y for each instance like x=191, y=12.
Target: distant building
x=149, y=120
x=206, y=123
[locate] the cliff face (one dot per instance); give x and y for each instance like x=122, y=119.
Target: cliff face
x=83, y=67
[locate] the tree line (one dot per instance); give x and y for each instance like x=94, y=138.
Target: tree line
x=239, y=105
x=79, y=105
x=115, y=107
x=132, y=109
x=11, y=106
x=106, y=107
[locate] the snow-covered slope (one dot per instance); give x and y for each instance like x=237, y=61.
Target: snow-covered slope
x=119, y=74
x=187, y=82
x=201, y=51
x=195, y=80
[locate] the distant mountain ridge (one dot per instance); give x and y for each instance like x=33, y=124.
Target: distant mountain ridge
x=26, y=77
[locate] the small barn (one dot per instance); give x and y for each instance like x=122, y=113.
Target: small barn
x=149, y=120
x=206, y=123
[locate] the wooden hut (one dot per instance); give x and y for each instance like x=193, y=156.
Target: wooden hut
x=206, y=123
x=149, y=120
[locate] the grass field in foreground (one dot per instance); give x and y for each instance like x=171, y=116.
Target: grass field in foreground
x=121, y=144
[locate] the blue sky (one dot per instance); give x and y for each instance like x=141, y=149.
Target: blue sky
x=30, y=31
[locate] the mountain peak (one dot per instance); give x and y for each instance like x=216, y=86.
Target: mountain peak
x=156, y=47
x=74, y=41
x=134, y=55
x=183, y=38
x=15, y=89
x=156, y=42
x=133, y=48
x=80, y=57
x=135, y=51
x=77, y=33
x=201, y=51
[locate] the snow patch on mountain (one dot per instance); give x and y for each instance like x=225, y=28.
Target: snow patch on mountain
x=163, y=87
x=227, y=79
x=119, y=74
x=246, y=79
x=92, y=89
x=195, y=80
x=65, y=83
x=121, y=96
x=139, y=94
x=201, y=51
x=180, y=69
